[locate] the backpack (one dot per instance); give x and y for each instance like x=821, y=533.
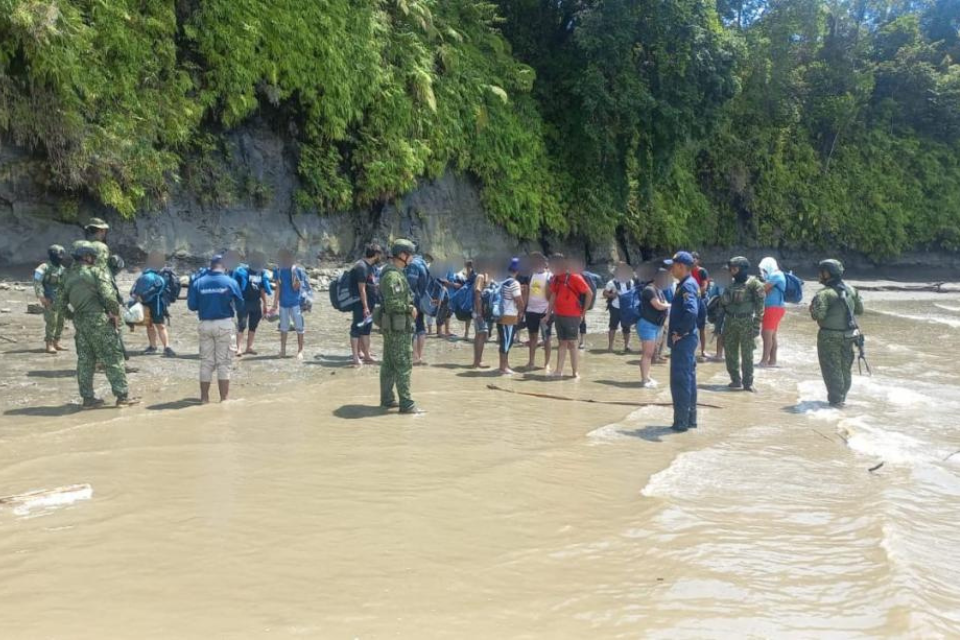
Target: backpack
x=630, y=306
x=715, y=311
x=433, y=297
x=793, y=292
x=199, y=273
x=418, y=275
x=148, y=288
x=341, y=297
x=171, y=285
x=493, y=299
x=461, y=302
x=304, y=288
x=595, y=282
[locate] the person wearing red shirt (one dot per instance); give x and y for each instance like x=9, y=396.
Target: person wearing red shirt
x=569, y=298
x=703, y=281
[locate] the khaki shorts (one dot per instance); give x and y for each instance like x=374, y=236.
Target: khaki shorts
x=218, y=343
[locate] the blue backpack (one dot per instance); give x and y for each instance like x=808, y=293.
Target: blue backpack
x=148, y=288
x=794, y=290
x=433, y=297
x=461, y=302
x=418, y=275
x=493, y=299
x=630, y=306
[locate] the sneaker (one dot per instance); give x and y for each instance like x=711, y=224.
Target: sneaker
x=149, y=351
x=169, y=353
x=679, y=428
x=735, y=385
x=127, y=401
x=750, y=388
x=390, y=405
x=412, y=411
x=92, y=403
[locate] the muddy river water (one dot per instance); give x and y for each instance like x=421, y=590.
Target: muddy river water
x=299, y=510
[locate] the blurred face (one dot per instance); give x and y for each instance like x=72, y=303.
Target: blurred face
x=558, y=265
x=623, y=272
x=286, y=259
x=256, y=261
x=155, y=261
x=679, y=271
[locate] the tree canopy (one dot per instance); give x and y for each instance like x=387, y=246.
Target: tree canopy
x=795, y=123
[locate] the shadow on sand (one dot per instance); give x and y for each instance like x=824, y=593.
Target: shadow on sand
x=175, y=404
x=358, y=411
x=621, y=384
x=45, y=412
x=651, y=434
x=56, y=373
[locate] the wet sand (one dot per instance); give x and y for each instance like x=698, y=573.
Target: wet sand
x=300, y=510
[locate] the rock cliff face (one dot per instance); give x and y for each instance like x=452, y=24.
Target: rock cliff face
x=257, y=210
x=445, y=216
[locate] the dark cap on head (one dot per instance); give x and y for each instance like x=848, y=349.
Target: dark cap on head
x=83, y=249
x=680, y=257
x=216, y=261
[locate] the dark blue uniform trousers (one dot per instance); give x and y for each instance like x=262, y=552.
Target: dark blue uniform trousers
x=683, y=380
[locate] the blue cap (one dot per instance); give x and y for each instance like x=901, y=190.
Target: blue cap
x=216, y=260
x=514, y=264
x=680, y=257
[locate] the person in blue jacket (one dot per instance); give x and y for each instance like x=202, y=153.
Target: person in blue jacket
x=684, y=339
x=215, y=297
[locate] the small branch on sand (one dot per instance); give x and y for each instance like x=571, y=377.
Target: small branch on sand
x=11, y=340
x=875, y=467
x=621, y=403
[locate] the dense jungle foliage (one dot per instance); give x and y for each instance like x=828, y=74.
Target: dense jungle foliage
x=786, y=123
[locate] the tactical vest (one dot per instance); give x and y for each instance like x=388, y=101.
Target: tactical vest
x=838, y=316
x=739, y=298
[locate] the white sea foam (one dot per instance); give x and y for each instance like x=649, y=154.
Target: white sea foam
x=45, y=500
x=929, y=319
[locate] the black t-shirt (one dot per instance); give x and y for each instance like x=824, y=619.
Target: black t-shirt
x=647, y=312
x=361, y=272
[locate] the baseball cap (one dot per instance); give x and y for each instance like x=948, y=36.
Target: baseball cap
x=514, y=264
x=680, y=257
x=216, y=260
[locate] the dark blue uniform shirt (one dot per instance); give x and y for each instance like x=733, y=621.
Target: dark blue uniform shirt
x=685, y=308
x=214, y=296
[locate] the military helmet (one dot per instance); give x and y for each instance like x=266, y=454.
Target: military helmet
x=96, y=223
x=402, y=246
x=740, y=262
x=115, y=263
x=56, y=250
x=83, y=249
x=832, y=267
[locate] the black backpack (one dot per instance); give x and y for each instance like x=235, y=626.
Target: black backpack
x=171, y=285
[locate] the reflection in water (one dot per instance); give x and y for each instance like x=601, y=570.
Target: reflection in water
x=304, y=510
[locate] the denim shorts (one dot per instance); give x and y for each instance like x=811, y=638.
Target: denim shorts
x=648, y=331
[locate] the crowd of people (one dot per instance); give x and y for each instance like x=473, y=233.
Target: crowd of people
x=536, y=298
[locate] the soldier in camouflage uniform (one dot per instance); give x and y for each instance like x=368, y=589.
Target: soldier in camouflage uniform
x=87, y=298
x=46, y=283
x=397, y=316
x=835, y=308
x=742, y=303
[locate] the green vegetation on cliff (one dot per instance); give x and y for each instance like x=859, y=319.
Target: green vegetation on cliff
x=794, y=123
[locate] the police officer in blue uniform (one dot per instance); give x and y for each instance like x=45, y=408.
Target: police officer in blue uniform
x=684, y=342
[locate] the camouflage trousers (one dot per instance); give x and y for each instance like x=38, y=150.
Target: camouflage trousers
x=836, y=364
x=738, y=344
x=53, y=322
x=96, y=340
x=396, y=368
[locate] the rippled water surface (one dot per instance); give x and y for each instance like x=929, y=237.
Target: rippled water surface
x=298, y=511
